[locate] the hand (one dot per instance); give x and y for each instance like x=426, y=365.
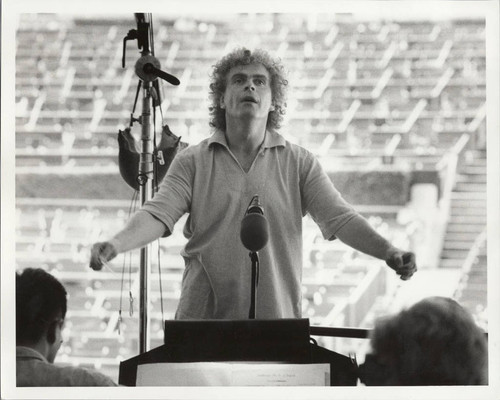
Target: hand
x=100, y=254
x=402, y=262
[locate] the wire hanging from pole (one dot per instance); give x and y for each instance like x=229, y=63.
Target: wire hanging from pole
x=132, y=207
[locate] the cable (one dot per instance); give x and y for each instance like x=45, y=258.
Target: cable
x=139, y=85
x=161, y=289
x=155, y=150
x=131, y=207
x=131, y=297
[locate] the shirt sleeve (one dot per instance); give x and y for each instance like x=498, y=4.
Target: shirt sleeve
x=173, y=198
x=321, y=200
x=87, y=377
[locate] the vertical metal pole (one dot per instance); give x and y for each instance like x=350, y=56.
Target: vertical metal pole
x=254, y=256
x=146, y=193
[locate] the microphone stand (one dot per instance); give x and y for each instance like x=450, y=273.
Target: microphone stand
x=254, y=236
x=148, y=70
x=254, y=257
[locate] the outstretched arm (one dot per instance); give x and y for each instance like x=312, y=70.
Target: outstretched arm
x=360, y=235
x=140, y=230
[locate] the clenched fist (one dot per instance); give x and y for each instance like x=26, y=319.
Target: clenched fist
x=100, y=254
x=403, y=263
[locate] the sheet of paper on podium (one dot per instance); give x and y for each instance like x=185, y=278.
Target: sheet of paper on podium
x=233, y=374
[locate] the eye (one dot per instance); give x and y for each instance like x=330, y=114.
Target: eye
x=260, y=82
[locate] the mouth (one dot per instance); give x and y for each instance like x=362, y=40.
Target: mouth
x=249, y=99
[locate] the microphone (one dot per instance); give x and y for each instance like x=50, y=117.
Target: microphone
x=254, y=232
x=148, y=66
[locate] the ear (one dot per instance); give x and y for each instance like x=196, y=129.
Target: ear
x=51, y=332
x=271, y=108
x=222, y=105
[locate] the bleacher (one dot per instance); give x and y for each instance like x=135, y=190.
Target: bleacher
x=381, y=103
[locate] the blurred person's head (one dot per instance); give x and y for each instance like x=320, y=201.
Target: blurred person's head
x=40, y=311
x=244, y=57
x=434, y=342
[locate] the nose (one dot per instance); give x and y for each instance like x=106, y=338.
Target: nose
x=250, y=86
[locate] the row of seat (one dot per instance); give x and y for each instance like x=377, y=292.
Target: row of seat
x=305, y=72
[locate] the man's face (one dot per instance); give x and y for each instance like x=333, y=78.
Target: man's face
x=248, y=92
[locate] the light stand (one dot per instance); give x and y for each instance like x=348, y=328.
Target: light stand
x=148, y=70
x=146, y=193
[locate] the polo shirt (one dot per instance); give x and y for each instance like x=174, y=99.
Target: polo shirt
x=207, y=182
x=32, y=369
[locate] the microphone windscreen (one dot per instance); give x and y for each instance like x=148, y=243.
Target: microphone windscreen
x=254, y=232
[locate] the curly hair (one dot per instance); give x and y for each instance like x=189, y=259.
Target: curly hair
x=243, y=56
x=434, y=342
x=40, y=297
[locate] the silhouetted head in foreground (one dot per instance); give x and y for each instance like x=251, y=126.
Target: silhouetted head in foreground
x=434, y=342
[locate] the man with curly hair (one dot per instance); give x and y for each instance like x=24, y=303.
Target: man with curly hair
x=434, y=342
x=215, y=180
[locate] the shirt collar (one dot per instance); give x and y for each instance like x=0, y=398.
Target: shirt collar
x=28, y=352
x=272, y=139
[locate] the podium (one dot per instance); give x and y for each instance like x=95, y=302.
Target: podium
x=285, y=341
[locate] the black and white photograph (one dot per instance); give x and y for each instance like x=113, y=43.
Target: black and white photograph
x=250, y=200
